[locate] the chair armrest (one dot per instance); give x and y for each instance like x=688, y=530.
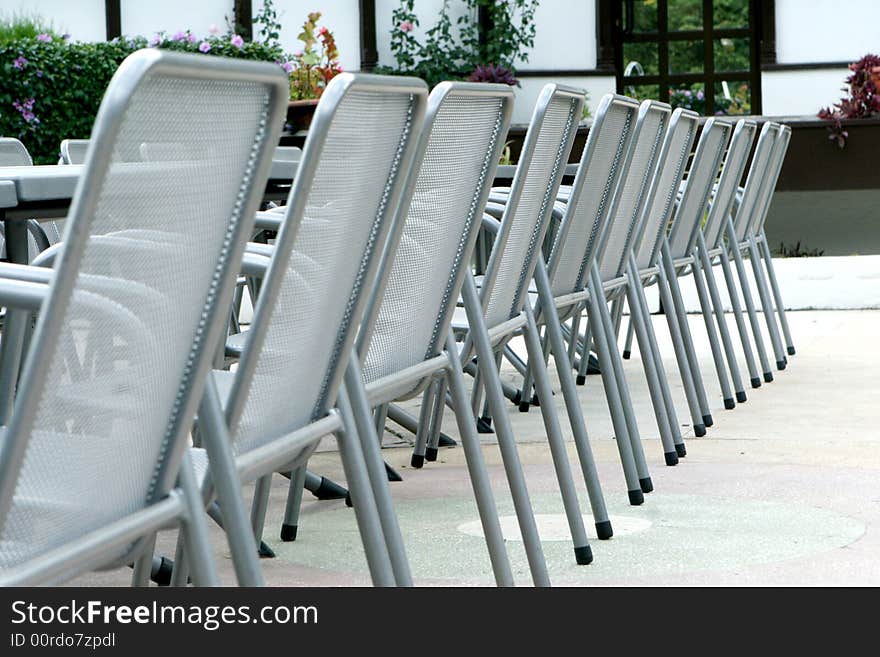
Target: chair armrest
x=254, y=264
x=269, y=220
x=27, y=273
x=23, y=294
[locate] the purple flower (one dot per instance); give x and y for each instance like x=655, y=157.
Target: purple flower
x=236, y=41
x=20, y=62
x=45, y=38
x=700, y=95
x=180, y=35
x=26, y=109
x=204, y=46
x=687, y=93
x=39, y=74
x=65, y=36
x=191, y=37
x=287, y=66
x=156, y=40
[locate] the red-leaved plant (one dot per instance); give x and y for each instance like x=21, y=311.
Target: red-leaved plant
x=863, y=100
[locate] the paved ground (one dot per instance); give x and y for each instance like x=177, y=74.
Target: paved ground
x=785, y=489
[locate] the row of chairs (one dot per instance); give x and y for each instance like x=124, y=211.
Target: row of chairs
x=128, y=418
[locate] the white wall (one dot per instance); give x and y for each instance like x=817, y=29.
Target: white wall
x=147, y=18
x=341, y=17
x=428, y=12
x=565, y=37
x=826, y=30
x=83, y=19
x=793, y=93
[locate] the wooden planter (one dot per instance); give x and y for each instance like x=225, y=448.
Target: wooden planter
x=300, y=113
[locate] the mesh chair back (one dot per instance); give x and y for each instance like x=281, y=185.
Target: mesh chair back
x=758, y=173
x=464, y=132
x=573, y=249
x=347, y=188
x=73, y=151
x=632, y=189
x=780, y=147
x=698, y=186
x=13, y=153
x=532, y=195
x=670, y=169
x=728, y=183
x=113, y=377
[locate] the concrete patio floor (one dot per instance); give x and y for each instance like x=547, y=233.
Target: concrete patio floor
x=784, y=490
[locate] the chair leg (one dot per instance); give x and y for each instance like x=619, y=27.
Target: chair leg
x=750, y=304
x=774, y=286
x=429, y=399
x=649, y=364
x=479, y=476
x=709, y=321
x=720, y=319
x=290, y=525
x=194, y=528
x=615, y=406
x=627, y=345
x=504, y=434
x=360, y=484
x=684, y=368
x=143, y=566
x=754, y=374
x=767, y=304
x=671, y=413
x=573, y=408
x=436, y=421
x=262, y=488
x=687, y=340
x=616, y=361
x=582, y=552
x=377, y=474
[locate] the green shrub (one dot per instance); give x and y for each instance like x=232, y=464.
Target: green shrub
x=51, y=88
x=23, y=26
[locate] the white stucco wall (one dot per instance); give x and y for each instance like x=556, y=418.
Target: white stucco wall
x=792, y=93
x=826, y=30
x=147, y=18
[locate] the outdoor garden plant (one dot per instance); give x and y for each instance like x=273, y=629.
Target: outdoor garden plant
x=862, y=100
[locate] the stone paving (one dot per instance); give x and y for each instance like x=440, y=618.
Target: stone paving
x=784, y=490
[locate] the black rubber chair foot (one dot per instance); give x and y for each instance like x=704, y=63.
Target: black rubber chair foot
x=791, y=351
x=626, y=354
x=741, y=397
x=671, y=458
x=768, y=377
x=535, y=400
x=583, y=555
x=348, y=501
x=288, y=532
x=392, y=474
x=163, y=574
x=580, y=380
x=446, y=441
x=729, y=404
x=636, y=497
x=780, y=365
x=604, y=530
x=431, y=454
x=756, y=382
x=484, y=425
x=517, y=398
x=681, y=450
x=265, y=551
x=329, y=490
x=707, y=419
x=417, y=460
x=646, y=484
x=699, y=430
x=524, y=407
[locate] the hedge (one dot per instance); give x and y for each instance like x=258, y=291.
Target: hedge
x=51, y=88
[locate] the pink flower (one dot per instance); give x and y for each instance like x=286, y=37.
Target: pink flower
x=204, y=46
x=236, y=41
x=322, y=30
x=406, y=26
x=45, y=38
x=191, y=37
x=180, y=35
x=214, y=29
x=298, y=53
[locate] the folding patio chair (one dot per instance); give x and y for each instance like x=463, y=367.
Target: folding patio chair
x=97, y=439
x=751, y=214
x=270, y=413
